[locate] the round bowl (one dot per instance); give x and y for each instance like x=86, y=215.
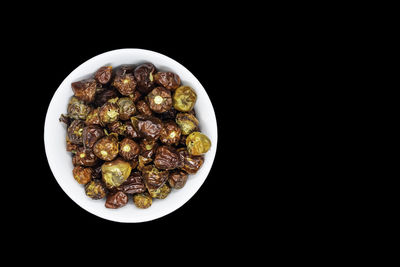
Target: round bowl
x=60, y=160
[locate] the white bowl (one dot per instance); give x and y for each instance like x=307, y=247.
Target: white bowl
x=60, y=160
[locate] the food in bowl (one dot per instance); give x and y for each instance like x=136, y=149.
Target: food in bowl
x=133, y=134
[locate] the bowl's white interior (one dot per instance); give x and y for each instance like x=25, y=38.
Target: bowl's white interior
x=60, y=160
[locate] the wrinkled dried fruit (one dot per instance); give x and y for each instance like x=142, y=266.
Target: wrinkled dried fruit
x=82, y=175
x=169, y=80
x=170, y=133
x=197, y=143
x=117, y=127
x=191, y=164
x=95, y=189
x=154, y=178
x=149, y=127
x=103, y=75
x=77, y=109
x=184, y=98
x=91, y=134
x=161, y=192
x=85, y=90
x=130, y=131
x=125, y=84
x=167, y=158
x=115, y=172
x=93, y=117
x=116, y=200
x=134, y=184
x=85, y=157
x=142, y=201
x=129, y=149
x=106, y=148
x=109, y=112
x=126, y=108
x=177, y=179
x=159, y=100
x=75, y=131
x=143, y=108
x=104, y=96
x=144, y=77
x=187, y=122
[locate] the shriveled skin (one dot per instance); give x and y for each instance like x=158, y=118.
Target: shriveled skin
x=142, y=201
x=106, y=148
x=125, y=84
x=116, y=200
x=168, y=80
x=150, y=127
x=108, y=113
x=95, y=190
x=103, y=75
x=134, y=184
x=177, y=179
x=85, y=157
x=85, y=90
x=115, y=173
x=144, y=77
x=159, y=100
x=91, y=134
x=129, y=149
x=82, y=175
x=170, y=133
x=167, y=158
x=184, y=99
x=197, y=143
x=187, y=123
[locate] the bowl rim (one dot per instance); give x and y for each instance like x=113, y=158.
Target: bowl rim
x=47, y=122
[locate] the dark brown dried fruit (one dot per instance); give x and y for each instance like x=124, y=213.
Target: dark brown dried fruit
x=149, y=127
x=70, y=146
x=75, y=131
x=109, y=112
x=85, y=90
x=129, y=149
x=169, y=80
x=144, y=77
x=91, y=134
x=82, y=175
x=134, y=184
x=169, y=114
x=117, y=127
x=116, y=200
x=104, y=96
x=93, y=117
x=103, y=75
x=177, y=179
x=126, y=108
x=96, y=172
x=135, y=96
x=153, y=178
x=191, y=164
x=170, y=133
x=159, y=100
x=143, y=108
x=95, y=189
x=85, y=157
x=106, y=148
x=167, y=158
x=130, y=131
x=125, y=84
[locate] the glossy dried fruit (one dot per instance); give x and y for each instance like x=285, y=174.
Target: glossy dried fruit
x=143, y=108
x=168, y=80
x=93, y=117
x=153, y=178
x=70, y=147
x=177, y=179
x=187, y=122
x=159, y=100
x=135, y=96
x=168, y=115
x=106, y=148
x=82, y=175
x=85, y=157
x=148, y=127
x=191, y=164
x=116, y=172
x=77, y=109
x=129, y=149
x=103, y=75
x=184, y=99
x=116, y=200
x=167, y=158
x=197, y=143
x=104, y=96
x=125, y=84
x=109, y=112
x=85, y=90
x=130, y=131
x=144, y=77
x=95, y=189
x=96, y=172
x=134, y=184
x=75, y=131
x=91, y=134
x=142, y=201
x=117, y=127
x=170, y=133
x=126, y=108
